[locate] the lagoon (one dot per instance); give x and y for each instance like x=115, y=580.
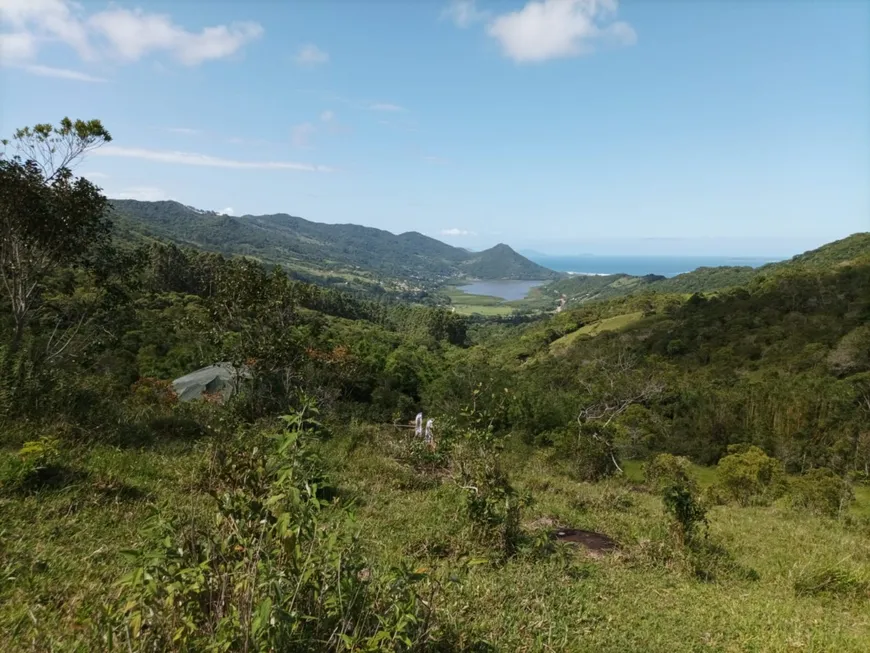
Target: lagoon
x=506, y=289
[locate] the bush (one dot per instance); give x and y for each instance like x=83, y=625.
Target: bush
x=666, y=470
x=822, y=492
x=590, y=459
x=750, y=477
x=689, y=514
x=278, y=568
x=493, y=504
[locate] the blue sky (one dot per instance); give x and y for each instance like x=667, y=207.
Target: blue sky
x=738, y=128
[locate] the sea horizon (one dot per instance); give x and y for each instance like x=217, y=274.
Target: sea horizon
x=667, y=266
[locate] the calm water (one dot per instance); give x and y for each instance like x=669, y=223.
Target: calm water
x=507, y=289
x=668, y=266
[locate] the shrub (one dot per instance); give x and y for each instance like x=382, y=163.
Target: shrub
x=37, y=464
x=666, y=470
x=688, y=513
x=493, y=504
x=278, y=568
x=750, y=477
x=590, y=459
x=821, y=491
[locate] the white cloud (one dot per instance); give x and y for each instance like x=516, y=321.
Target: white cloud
x=187, y=131
x=62, y=73
x=464, y=13
x=227, y=211
x=327, y=116
x=111, y=35
x=48, y=20
x=194, y=159
x=551, y=29
x=456, y=232
x=134, y=34
x=435, y=159
x=383, y=106
x=142, y=193
x=311, y=55
x=19, y=46
x=301, y=134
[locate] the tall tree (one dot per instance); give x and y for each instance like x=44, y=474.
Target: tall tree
x=48, y=217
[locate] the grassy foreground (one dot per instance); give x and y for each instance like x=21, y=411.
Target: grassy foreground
x=782, y=581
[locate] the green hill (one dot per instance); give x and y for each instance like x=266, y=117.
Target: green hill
x=583, y=289
x=410, y=258
x=501, y=262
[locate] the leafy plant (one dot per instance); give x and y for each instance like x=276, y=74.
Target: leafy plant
x=821, y=491
x=33, y=465
x=666, y=470
x=749, y=476
x=278, y=568
x=689, y=514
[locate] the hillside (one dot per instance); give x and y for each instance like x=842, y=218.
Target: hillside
x=581, y=289
x=301, y=494
x=345, y=249
x=502, y=262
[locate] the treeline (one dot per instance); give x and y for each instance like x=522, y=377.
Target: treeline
x=782, y=363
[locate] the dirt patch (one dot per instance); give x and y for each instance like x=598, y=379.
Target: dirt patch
x=595, y=543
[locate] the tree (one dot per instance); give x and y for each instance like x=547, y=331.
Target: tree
x=613, y=382
x=48, y=218
x=54, y=149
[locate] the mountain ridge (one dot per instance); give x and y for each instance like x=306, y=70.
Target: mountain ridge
x=338, y=249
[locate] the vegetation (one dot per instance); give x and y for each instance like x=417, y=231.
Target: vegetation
x=338, y=253
x=710, y=451
x=581, y=289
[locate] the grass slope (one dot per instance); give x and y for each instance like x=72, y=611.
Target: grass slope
x=614, y=323
x=62, y=552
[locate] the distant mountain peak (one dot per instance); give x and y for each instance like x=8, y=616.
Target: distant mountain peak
x=316, y=248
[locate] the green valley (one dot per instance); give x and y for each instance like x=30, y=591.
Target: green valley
x=660, y=465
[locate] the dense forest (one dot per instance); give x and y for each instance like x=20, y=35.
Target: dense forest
x=711, y=430
x=345, y=252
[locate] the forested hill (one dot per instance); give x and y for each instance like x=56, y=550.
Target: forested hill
x=501, y=262
x=582, y=289
x=313, y=247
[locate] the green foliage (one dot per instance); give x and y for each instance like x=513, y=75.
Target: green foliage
x=257, y=549
x=821, y=491
x=502, y=262
x=276, y=569
x=666, y=470
x=56, y=148
x=688, y=513
x=361, y=255
x=36, y=461
x=493, y=504
x=750, y=477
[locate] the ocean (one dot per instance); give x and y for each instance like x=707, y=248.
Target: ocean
x=668, y=266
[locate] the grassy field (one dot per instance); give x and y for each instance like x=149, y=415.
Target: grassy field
x=61, y=552
x=467, y=304
x=608, y=324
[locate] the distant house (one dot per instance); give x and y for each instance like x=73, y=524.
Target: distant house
x=221, y=380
